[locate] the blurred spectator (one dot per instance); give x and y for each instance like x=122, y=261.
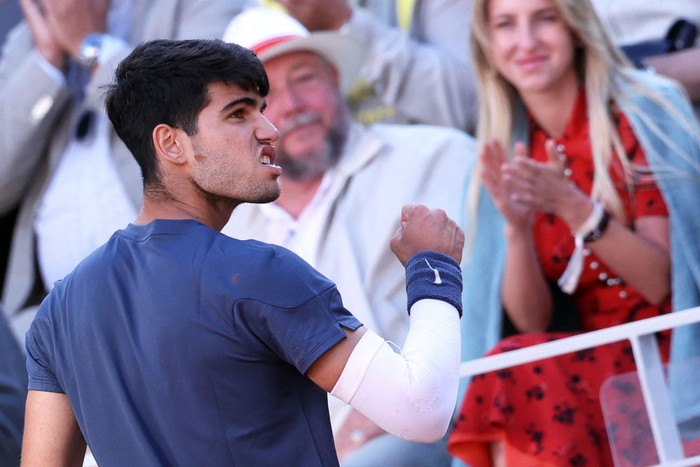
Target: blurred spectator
x=629, y=22
x=341, y=186
x=416, y=64
x=634, y=25
x=59, y=156
x=10, y=15
x=581, y=207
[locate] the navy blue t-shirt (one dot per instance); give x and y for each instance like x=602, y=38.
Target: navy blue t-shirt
x=179, y=346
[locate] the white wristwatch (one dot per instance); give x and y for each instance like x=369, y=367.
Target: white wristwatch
x=90, y=49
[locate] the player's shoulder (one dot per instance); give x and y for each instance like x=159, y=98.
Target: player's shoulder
x=252, y=265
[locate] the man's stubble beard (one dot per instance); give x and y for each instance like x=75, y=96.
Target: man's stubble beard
x=314, y=165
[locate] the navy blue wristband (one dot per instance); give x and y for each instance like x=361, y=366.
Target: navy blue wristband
x=430, y=274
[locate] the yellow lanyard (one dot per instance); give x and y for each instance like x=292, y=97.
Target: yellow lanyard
x=272, y=4
x=404, y=13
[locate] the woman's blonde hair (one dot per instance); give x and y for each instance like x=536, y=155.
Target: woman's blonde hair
x=600, y=66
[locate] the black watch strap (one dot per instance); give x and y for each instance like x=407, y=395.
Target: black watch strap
x=599, y=229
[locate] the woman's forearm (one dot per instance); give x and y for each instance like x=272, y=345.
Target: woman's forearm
x=640, y=257
x=525, y=294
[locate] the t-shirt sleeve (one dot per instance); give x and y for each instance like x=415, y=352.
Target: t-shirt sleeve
x=39, y=359
x=298, y=335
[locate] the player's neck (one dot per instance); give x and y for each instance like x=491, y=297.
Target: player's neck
x=214, y=215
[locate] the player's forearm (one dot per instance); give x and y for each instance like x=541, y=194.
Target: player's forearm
x=412, y=393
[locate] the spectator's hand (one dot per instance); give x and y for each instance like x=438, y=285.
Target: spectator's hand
x=44, y=39
x=319, y=15
x=426, y=229
x=71, y=20
x=494, y=166
x=545, y=187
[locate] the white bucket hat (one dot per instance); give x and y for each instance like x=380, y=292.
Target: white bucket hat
x=270, y=33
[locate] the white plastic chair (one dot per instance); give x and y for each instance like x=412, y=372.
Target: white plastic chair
x=649, y=367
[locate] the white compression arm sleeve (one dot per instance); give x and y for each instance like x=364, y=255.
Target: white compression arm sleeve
x=411, y=394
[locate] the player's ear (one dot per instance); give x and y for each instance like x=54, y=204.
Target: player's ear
x=169, y=143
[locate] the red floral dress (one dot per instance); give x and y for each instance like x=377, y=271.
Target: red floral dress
x=549, y=412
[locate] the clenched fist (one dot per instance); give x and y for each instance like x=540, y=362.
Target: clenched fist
x=426, y=229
